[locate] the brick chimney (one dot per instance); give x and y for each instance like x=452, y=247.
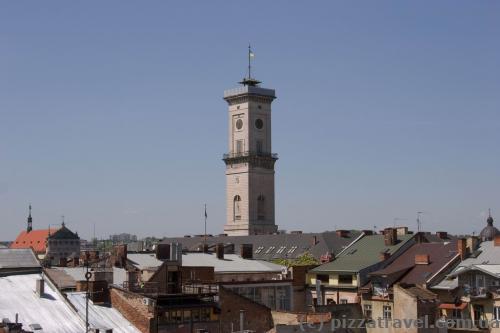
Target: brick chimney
x=462, y=248
x=390, y=236
x=422, y=259
x=384, y=256
x=219, y=250
x=246, y=251
x=314, y=240
x=442, y=234
x=40, y=287
x=120, y=255
x=496, y=240
x=342, y=233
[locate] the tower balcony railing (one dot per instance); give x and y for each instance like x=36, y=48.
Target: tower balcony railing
x=227, y=156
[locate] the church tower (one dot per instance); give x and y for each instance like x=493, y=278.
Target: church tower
x=249, y=161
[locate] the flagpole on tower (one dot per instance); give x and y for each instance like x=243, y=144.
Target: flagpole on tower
x=249, y=59
x=205, y=235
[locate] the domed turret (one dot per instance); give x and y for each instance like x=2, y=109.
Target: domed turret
x=489, y=232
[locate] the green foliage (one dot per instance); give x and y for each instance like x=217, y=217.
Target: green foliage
x=303, y=260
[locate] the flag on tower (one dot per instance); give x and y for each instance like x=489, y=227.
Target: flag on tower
x=206, y=211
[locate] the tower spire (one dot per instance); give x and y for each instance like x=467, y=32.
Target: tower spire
x=490, y=218
x=30, y=220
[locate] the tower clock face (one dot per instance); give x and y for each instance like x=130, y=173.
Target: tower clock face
x=259, y=124
x=239, y=124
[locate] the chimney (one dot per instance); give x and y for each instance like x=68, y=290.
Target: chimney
x=163, y=251
x=314, y=240
x=219, y=249
x=442, y=234
x=496, y=241
x=390, y=236
x=472, y=243
x=40, y=287
x=246, y=251
x=342, y=233
x=422, y=259
x=384, y=256
x=462, y=248
x=401, y=231
x=120, y=255
x=63, y=262
x=204, y=248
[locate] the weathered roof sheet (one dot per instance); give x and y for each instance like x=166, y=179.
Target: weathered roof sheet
x=50, y=311
x=361, y=254
x=279, y=246
x=101, y=317
x=18, y=258
x=230, y=263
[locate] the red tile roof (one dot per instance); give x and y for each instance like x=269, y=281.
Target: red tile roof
x=35, y=239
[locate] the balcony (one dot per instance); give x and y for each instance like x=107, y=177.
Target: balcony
x=249, y=154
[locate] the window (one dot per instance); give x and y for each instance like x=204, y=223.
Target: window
x=367, y=309
x=270, y=249
x=258, y=147
x=292, y=249
x=345, y=279
x=259, y=249
x=236, y=208
x=496, y=312
x=239, y=146
x=323, y=278
x=387, y=311
x=281, y=249
x=343, y=301
x=261, y=208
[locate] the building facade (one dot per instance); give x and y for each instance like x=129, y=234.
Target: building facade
x=250, y=161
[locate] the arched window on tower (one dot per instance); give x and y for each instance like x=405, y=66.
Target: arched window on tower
x=236, y=208
x=261, y=207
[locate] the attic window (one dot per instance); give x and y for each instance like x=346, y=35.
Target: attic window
x=259, y=249
x=281, y=249
x=292, y=249
x=270, y=249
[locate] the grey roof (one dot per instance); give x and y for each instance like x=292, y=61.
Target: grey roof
x=101, y=317
x=486, y=254
x=230, y=264
x=362, y=254
x=18, y=258
x=278, y=246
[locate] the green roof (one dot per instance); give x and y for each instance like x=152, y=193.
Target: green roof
x=363, y=253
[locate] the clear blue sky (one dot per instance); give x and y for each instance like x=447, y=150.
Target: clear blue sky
x=111, y=112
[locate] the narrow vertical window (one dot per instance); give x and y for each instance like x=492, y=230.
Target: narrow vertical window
x=239, y=146
x=258, y=147
x=261, y=208
x=236, y=208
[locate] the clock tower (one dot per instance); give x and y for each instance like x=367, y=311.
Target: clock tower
x=249, y=161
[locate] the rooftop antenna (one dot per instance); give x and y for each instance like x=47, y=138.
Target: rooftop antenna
x=205, y=235
x=419, y=223
x=396, y=219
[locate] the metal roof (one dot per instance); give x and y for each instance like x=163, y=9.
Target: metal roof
x=101, y=317
x=50, y=311
x=230, y=263
x=278, y=246
x=18, y=258
x=362, y=254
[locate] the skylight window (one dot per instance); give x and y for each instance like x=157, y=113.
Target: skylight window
x=270, y=249
x=281, y=249
x=259, y=249
x=292, y=249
